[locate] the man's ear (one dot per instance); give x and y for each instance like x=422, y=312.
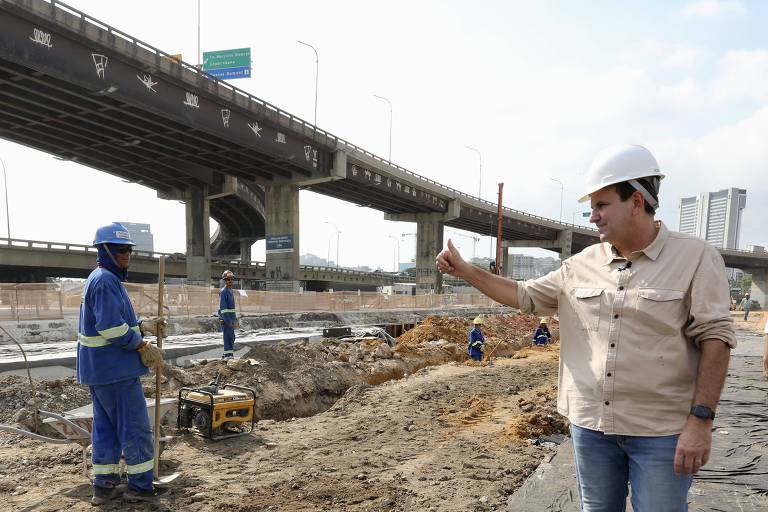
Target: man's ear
x=638, y=202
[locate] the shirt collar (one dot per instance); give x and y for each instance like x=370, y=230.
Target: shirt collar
x=652, y=251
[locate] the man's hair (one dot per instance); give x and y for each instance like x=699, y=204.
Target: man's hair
x=625, y=191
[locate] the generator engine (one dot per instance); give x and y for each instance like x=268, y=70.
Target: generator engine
x=217, y=412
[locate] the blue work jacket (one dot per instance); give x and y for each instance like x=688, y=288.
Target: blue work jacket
x=227, y=306
x=108, y=335
x=475, y=335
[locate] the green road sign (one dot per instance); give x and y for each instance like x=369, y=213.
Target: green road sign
x=221, y=59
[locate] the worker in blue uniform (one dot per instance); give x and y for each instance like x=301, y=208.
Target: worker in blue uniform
x=542, y=336
x=476, y=340
x=227, y=314
x=111, y=356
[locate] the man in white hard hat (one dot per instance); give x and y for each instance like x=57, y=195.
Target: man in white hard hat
x=228, y=314
x=645, y=340
x=476, y=340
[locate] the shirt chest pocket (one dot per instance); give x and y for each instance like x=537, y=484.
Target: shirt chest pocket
x=661, y=310
x=587, y=302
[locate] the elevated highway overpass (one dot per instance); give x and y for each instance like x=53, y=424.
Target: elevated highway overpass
x=84, y=91
x=34, y=261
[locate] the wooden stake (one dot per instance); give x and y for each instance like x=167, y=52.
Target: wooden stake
x=158, y=368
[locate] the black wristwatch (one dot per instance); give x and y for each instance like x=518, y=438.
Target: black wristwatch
x=703, y=412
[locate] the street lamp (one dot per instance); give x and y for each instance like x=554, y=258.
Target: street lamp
x=317, y=72
x=480, y=174
x=397, y=258
x=561, y=197
x=7, y=215
x=390, y=124
x=337, y=241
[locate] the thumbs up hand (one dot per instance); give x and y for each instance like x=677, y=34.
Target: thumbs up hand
x=449, y=261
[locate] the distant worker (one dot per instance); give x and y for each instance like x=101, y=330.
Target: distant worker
x=542, y=334
x=746, y=305
x=111, y=356
x=227, y=314
x=476, y=340
x=645, y=340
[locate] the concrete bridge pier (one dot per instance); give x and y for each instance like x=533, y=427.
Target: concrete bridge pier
x=429, y=242
x=505, y=270
x=759, y=291
x=282, y=231
x=564, y=243
x=245, y=251
x=197, y=207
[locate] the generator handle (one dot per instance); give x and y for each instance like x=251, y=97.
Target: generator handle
x=253, y=394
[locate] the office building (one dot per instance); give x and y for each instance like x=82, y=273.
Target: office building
x=714, y=216
x=141, y=235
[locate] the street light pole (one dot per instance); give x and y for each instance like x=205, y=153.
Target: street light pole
x=317, y=72
x=7, y=214
x=337, y=240
x=390, y=123
x=480, y=174
x=561, y=197
x=396, y=258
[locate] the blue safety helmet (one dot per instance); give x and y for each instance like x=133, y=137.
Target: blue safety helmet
x=114, y=233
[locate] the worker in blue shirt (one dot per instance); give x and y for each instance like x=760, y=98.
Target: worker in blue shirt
x=542, y=336
x=476, y=340
x=111, y=356
x=227, y=316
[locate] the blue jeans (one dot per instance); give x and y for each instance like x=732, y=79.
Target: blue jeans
x=606, y=463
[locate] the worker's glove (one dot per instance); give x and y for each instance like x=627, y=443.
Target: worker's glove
x=154, y=325
x=151, y=356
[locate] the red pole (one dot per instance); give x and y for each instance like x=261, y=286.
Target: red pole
x=498, y=232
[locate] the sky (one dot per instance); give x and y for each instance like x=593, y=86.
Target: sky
x=537, y=87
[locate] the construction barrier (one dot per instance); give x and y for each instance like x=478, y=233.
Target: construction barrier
x=49, y=301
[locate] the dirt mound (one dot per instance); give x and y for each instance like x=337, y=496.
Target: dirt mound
x=538, y=417
x=59, y=395
x=504, y=336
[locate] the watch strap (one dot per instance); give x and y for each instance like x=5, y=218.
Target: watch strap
x=703, y=412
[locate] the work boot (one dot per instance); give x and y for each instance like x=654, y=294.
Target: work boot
x=102, y=495
x=152, y=495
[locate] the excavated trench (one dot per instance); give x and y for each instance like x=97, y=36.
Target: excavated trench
x=299, y=379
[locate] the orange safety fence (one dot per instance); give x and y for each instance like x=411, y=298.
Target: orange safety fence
x=49, y=301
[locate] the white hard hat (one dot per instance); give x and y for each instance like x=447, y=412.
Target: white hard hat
x=227, y=273
x=623, y=163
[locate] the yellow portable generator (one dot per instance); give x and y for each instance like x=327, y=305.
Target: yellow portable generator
x=217, y=412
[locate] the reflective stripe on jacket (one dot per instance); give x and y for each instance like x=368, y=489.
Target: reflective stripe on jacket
x=227, y=305
x=108, y=334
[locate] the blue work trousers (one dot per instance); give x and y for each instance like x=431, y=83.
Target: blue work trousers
x=229, y=340
x=476, y=353
x=606, y=463
x=121, y=426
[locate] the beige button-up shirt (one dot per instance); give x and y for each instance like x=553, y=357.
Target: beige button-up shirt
x=631, y=329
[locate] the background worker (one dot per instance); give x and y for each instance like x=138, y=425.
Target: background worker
x=111, y=356
x=542, y=334
x=476, y=340
x=645, y=339
x=227, y=314
x=746, y=305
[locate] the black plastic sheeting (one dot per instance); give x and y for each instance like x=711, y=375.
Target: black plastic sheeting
x=734, y=480
x=736, y=477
